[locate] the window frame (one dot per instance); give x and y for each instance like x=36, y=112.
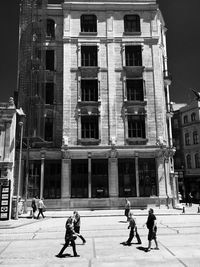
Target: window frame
x=88, y=27
x=89, y=56
x=135, y=92
x=132, y=25
x=133, y=55
x=187, y=139
x=136, y=126
x=90, y=127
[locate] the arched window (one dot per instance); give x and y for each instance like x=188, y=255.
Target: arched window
x=185, y=119
x=197, y=160
x=189, y=163
x=88, y=23
x=50, y=29
x=195, y=138
x=193, y=116
x=131, y=23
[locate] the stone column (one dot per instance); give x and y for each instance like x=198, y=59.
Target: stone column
x=137, y=177
x=66, y=175
x=42, y=175
x=113, y=174
x=89, y=175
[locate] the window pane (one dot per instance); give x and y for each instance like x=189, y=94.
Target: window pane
x=88, y=23
x=89, y=90
x=134, y=90
x=89, y=56
x=131, y=23
x=133, y=55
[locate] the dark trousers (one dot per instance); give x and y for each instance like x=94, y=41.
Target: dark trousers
x=77, y=230
x=131, y=235
x=40, y=212
x=72, y=242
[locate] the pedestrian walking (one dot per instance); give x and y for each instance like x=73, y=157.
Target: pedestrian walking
x=41, y=208
x=151, y=225
x=70, y=236
x=127, y=208
x=77, y=224
x=34, y=207
x=133, y=229
x=190, y=197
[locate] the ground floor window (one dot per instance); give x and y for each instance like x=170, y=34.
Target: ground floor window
x=147, y=177
x=99, y=177
x=52, y=179
x=79, y=178
x=127, y=177
x=33, y=187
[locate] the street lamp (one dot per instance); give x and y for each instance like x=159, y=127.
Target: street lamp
x=21, y=125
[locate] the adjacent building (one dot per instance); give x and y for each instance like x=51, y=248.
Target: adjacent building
x=94, y=84
x=7, y=157
x=186, y=132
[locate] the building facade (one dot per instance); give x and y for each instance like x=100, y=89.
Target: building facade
x=96, y=95
x=186, y=134
x=7, y=157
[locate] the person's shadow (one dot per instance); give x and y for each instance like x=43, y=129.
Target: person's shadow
x=128, y=245
x=66, y=255
x=145, y=249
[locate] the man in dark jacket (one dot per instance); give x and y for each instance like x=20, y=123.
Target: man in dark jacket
x=151, y=225
x=133, y=227
x=70, y=236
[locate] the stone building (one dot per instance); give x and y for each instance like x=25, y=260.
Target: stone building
x=7, y=156
x=94, y=84
x=186, y=139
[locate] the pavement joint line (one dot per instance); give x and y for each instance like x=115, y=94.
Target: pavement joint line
x=35, y=233
x=5, y=247
x=173, y=254
x=94, y=249
x=171, y=228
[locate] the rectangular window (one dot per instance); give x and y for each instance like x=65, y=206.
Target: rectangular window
x=133, y=55
x=134, y=90
x=89, y=90
x=127, y=177
x=147, y=177
x=90, y=127
x=99, y=177
x=88, y=56
x=79, y=178
x=49, y=96
x=34, y=178
x=136, y=126
x=52, y=179
x=187, y=139
x=131, y=23
x=88, y=23
x=195, y=138
x=49, y=59
x=48, y=129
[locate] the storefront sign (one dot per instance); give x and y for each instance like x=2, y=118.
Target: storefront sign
x=4, y=200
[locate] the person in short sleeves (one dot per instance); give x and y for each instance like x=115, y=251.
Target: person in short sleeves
x=151, y=225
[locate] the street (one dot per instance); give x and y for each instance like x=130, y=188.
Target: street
x=36, y=242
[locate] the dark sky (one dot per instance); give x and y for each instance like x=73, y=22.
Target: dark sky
x=183, y=39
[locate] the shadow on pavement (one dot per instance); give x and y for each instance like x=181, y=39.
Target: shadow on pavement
x=67, y=255
x=125, y=244
x=142, y=248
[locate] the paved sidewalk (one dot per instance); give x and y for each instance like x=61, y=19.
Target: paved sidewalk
x=25, y=219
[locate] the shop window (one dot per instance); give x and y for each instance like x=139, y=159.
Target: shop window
x=34, y=170
x=50, y=32
x=89, y=90
x=189, y=162
x=89, y=127
x=48, y=129
x=197, y=160
x=49, y=96
x=193, y=116
x=195, y=138
x=99, y=177
x=79, y=178
x=131, y=23
x=49, y=59
x=136, y=126
x=134, y=90
x=133, y=55
x=88, y=23
x=187, y=139
x=88, y=56
x=52, y=179
x=127, y=177
x=147, y=177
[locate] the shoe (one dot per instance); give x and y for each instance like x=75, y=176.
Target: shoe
x=76, y=255
x=84, y=242
x=59, y=255
x=127, y=243
x=147, y=249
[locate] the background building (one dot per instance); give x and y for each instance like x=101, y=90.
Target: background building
x=186, y=133
x=94, y=84
x=7, y=156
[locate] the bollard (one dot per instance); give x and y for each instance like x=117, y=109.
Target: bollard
x=183, y=210
x=198, y=211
